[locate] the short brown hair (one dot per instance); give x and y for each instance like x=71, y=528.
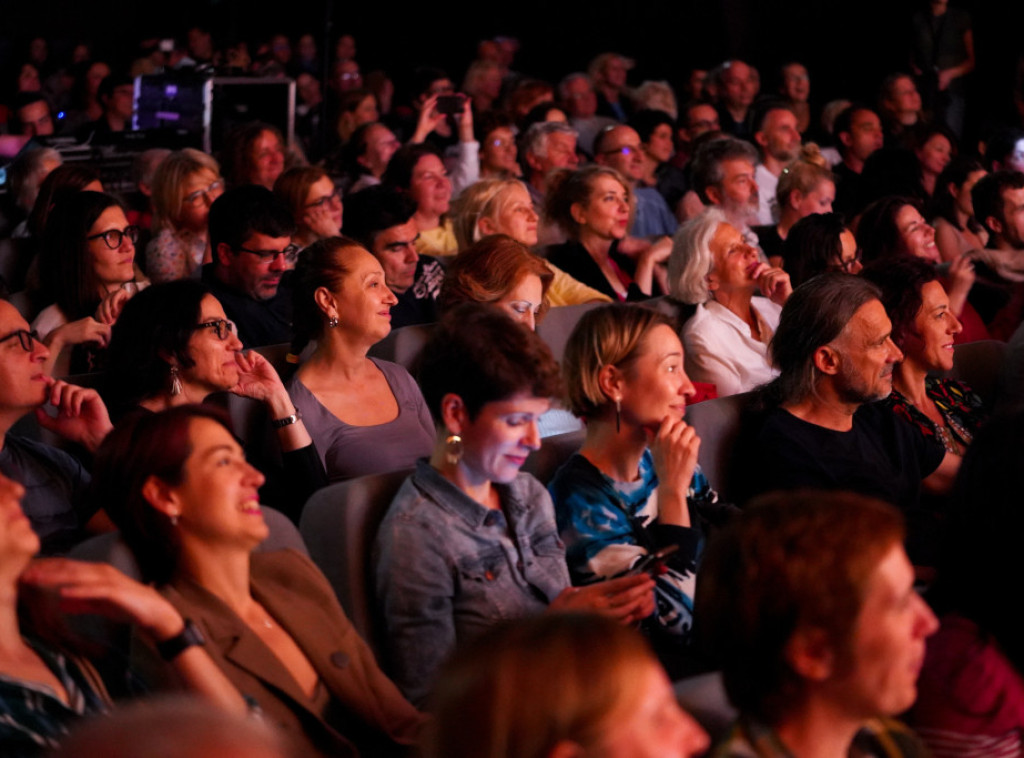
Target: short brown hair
x=487, y=270
x=607, y=336
x=792, y=560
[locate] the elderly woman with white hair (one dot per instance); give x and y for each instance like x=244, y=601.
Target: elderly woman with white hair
x=738, y=296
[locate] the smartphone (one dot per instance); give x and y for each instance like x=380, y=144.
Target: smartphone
x=652, y=563
x=450, y=104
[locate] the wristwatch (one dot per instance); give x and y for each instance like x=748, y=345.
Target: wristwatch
x=190, y=636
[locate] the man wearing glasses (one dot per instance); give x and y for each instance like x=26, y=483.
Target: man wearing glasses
x=619, y=147
x=251, y=238
x=56, y=485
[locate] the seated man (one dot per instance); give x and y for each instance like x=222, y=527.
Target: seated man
x=381, y=219
x=56, y=485
x=807, y=603
x=546, y=146
x=251, y=238
x=823, y=427
x=998, y=291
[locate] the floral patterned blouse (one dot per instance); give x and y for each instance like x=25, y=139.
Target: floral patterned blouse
x=961, y=408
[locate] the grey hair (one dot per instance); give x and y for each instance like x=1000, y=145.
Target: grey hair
x=658, y=95
x=536, y=138
x=814, y=316
x=563, y=86
x=707, y=163
x=691, y=259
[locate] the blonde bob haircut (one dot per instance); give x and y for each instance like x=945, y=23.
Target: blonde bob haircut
x=521, y=688
x=610, y=335
x=487, y=270
x=486, y=198
x=169, y=184
x=691, y=260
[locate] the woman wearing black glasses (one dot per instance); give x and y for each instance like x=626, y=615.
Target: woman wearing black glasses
x=173, y=346
x=88, y=273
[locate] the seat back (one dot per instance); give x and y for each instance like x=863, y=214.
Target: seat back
x=339, y=524
x=554, y=451
x=718, y=423
x=403, y=346
x=558, y=324
x=980, y=365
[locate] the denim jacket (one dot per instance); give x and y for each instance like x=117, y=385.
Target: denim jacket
x=447, y=568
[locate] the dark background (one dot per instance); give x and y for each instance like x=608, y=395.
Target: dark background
x=848, y=46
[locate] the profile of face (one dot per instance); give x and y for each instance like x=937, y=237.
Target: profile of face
x=1015, y=160
x=796, y=84
x=621, y=149
x=18, y=541
x=257, y=266
x=120, y=102
x=198, y=192
x=962, y=194
x=888, y=642
x=217, y=501
x=865, y=135
x=381, y=144
x=395, y=248
x=606, y=212
x=1010, y=227
x=561, y=153
x=216, y=368
x=22, y=377
x=323, y=194
x=498, y=152
x=524, y=300
x=112, y=266
x=430, y=187
x=818, y=200
x=659, y=145
x=654, y=386
x=515, y=216
x=366, y=112
x=865, y=355
x=934, y=155
x=780, y=135
x=580, y=98
x=917, y=235
x=849, y=257
x=929, y=341
x=267, y=159
x=737, y=192
x=733, y=262
x=654, y=726
x=498, y=440
x=362, y=301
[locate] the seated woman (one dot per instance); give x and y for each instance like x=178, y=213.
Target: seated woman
x=634, y=487
x=469, y=540
x=924, y=328
x=44, y=687
x=184, y=187
x=806, y=187
x=365, y=415
x=819, y=243
x=314, y=202
x=727, y=338
x=175, y=346
x=88, y=273
x=361, y=162
x=934, y=145
x=419, y=171
x=503, y=206
x=957, y=231
x=894, y=226
x=559, y=685
x=971, y=688
x=178, y=486
x=592, y=206
x=254, y=154
x=500, y=271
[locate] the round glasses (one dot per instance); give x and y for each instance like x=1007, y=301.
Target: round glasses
x=114, y=237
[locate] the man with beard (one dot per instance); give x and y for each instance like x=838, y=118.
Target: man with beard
x=779, y=140
x=723, y=175
x=998, y=291
x=822, y=427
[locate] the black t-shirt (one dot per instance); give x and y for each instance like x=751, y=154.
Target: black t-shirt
x=771, y=243
x=418, y=304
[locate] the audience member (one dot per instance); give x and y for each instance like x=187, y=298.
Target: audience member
x=723, y=175
x=314, y=202
x=819, y=243
x=777, y=135
x=417, y=170
x=859, y=133
x=576, y=93
x=253, y=154
x=957, y=230
x=545, y=147
x=999, y=205
x=618, y=147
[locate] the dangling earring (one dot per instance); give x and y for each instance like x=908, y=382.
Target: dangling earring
x=618, y=415
x=175, y=382
x=453, y=449
x=174, y=519
x=332, y=321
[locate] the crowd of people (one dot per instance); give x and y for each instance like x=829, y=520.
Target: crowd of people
x=186, y=362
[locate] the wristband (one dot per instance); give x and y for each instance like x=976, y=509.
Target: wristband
x=190, y=636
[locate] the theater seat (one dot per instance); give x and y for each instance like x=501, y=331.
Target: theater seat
x=718, y=423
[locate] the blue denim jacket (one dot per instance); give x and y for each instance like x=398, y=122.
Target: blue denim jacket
x=447, y=568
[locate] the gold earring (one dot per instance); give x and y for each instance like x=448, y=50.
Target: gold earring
x=453, y=449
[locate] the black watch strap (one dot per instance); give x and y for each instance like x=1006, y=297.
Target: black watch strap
x=190, y=636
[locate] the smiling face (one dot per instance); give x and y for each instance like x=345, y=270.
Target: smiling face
x=203, y=187
x=112, y=268
x=606, y=213
x=215, y=368
x=733, y=262
x=515, y=217
x=497, y=442
x=866, y=355
x=217, y=502
x=917, y=236
x=523, y=302
x=267, y=159
x=934, y=155
x=654, y=385
x=362, y=303
x=888, y=642
x=430, y=187
x=929, y=342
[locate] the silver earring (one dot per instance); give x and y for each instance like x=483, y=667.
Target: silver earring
x=175, y=382
x=332, y=321
x=618, y=415
x=453, y=449
x=174, y=519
